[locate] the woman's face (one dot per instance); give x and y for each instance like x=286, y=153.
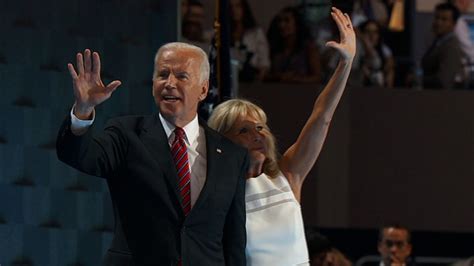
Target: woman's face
x=372, y=33
x=286, y=24
x=236, y=10
x=250, y=133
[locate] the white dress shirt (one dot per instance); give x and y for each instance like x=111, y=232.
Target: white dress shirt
x=195, y=142
x=463, y=34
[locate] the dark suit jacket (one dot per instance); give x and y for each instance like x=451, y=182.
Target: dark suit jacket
x=442, y=62
x=133, y=154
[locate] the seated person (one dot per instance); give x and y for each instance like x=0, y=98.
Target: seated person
x=192, y=25
x=322, y=252
x=249, y=43
x=378, y=64
x=394, y=245
x=293, y=52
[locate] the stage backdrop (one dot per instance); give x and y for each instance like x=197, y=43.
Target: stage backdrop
x=51, y=214
x=391, y=155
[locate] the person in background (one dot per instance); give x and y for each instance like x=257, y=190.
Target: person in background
x=275, y=230
x=442, y=62
x=462, y=31
x=394, y=245
x=192, y=30
x=378, y=64
x=293, y=52
x=322, y=252
x=376, y=10
x=249, y=43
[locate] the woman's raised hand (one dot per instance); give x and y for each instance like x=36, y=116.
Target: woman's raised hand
x=347, y=43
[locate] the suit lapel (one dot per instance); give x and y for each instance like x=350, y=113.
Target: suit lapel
x=155, y=140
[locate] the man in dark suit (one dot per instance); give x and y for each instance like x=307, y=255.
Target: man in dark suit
x=177, y=186
x=442, y=62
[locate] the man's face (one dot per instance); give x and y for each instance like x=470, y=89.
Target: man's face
x=443, y=22
x=177, y=87
x=195, y=14
x=394, y=246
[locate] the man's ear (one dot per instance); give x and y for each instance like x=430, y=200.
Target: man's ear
x=204, y=90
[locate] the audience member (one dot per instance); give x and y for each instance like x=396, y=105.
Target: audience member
x=192, y=25
x=378, y=64
x=184, y=7
x=394, y=245
x=461, y=29
x=293, y=52
x=322, y=252
x=249, y=43
x=370, y=10
x=442, y=62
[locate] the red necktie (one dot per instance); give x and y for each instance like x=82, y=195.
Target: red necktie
x=180, y=158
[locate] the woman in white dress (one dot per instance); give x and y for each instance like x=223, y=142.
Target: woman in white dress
x=275, y=231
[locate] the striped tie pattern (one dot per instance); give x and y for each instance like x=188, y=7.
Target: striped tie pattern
x=180, y=158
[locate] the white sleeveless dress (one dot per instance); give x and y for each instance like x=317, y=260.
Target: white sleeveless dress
x=275, y=231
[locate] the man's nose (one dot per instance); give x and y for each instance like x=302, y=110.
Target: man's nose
x=171, y=81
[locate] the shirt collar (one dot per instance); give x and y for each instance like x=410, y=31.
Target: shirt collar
x=445, y=37
x=191, y=129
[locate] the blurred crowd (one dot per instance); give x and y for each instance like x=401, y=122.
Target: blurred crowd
x=292, y=48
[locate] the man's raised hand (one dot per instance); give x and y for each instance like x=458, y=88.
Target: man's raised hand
x=89, y=90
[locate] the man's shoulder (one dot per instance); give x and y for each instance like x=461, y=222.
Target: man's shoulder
x=452, y=41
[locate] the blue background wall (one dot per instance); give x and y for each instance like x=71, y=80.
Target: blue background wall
x=51, y=214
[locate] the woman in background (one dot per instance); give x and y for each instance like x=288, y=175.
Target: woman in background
x=293, y=52
x=378, y=64
x=249, y=44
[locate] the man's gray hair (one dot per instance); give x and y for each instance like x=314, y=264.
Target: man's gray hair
x=204, y=69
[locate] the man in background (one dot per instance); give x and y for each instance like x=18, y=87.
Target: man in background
x=442, y=62
x=394, y=245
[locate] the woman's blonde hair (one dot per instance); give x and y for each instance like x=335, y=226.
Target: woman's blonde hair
x=224, y=116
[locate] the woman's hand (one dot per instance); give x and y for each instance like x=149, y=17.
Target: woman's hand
x=347, y=44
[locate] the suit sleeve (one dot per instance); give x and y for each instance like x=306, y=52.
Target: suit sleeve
x=450, y=66
x=235, y=235
x=94, y=155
